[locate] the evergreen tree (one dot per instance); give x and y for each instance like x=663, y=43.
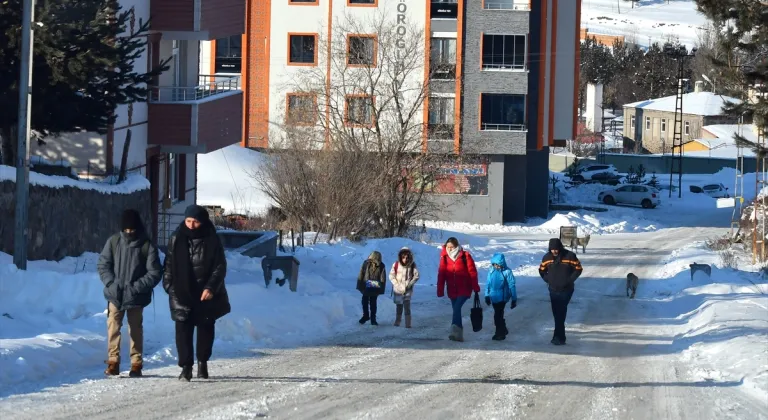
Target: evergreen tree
x=82, y=67
x=742, y=64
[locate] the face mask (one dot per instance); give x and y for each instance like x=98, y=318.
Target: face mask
x=130, y=236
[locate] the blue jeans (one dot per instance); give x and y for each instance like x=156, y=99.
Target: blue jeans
x=457, y=304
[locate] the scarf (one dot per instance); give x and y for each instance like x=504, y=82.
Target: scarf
x=185, y=285
x=454, y=253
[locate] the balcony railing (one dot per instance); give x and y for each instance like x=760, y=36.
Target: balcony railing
x=444, y=71
x=503, y=66
x=440, y=131
x=208, y=86
x=506, y=5
x=503, y=127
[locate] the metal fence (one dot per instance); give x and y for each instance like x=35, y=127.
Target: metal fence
x=503, y=127
x=208, y=85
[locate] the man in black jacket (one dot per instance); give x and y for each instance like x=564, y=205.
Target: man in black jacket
x=559, y=268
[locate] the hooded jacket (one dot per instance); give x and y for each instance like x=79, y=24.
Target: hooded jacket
x=373, y=269
x=560, y=272
x=500, y=286
x=459, y=276
x=129, y=276
x=404, y=276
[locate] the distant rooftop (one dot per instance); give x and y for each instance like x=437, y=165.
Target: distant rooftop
x=695, y=103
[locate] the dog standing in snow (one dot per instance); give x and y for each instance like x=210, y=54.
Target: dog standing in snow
x=632, y=282
x=580, y=242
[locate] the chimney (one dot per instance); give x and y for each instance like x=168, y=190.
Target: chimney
x=594, y=112
x=699, y=86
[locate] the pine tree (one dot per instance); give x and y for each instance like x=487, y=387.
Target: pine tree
x=742, y=62
x=82, y=67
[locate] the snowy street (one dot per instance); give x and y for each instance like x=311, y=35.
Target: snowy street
x=625, y=359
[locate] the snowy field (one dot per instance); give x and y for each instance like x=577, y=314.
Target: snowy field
x=649, y=22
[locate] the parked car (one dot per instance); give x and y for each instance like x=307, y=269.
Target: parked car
x=595, y=172
x=637, y=195
x=715, y=191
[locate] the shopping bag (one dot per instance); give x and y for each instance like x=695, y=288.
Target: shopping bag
x=476, y=315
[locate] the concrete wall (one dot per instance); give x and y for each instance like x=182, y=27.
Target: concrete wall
x=67, y=221
x=479, y=21
x=484, y=209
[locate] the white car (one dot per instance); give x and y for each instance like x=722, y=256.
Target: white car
x=591, y=172
x=637, y=195
x=715, y=191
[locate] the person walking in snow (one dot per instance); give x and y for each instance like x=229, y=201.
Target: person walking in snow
x=195, y=268
x=559, y=268
x=500, y=289
x=129, y=267
x=458, y=274
x=403, y=277
x=371, y=282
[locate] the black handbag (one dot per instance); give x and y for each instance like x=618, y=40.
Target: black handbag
x=476, y=314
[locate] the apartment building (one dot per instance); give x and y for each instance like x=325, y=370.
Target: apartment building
x=502, y=89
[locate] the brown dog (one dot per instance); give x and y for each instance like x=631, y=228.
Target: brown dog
x=632, y=282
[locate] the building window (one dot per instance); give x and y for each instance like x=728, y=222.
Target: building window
x=371, y=3
x=504, y=52
x=304, y=2
x=441, y=121
x=505, y=4
x=361, y=50
x=443, y=58
x=175, y=177
x=359, y=110
x=302, y=49
x=229, y=54
x=301, y=109
x=502, y=112
x=663, y=125
x=632, y=122
x=687, y=128
x=647, y=123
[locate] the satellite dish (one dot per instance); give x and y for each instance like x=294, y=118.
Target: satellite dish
x=704, y=76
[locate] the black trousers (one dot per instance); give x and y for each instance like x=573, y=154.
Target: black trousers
x=369, y=301
x=205, y=335
x=560, y=302
x=498, y=318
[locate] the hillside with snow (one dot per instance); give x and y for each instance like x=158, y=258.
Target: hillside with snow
x=648, y=22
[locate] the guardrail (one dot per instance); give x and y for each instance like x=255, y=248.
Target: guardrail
x=503, y=127
x=506, y=5
x=208, y=85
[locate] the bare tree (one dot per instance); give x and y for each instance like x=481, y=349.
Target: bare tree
x=354, y=156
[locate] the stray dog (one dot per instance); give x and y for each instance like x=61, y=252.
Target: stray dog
x=632, y=282
x=706, y=268
x=580, y=242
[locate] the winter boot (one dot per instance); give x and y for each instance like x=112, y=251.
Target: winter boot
x=557, y=341
x=202, y=370
x=407, y=321
x=186, y=374
x=373, y=320
x=135, y=370
x=457, y=333
x=364, y=319
x=113, y=369
x=399, y=315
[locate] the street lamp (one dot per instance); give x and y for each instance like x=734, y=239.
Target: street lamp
x=680, y=53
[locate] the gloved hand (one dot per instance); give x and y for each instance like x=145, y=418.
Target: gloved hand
x=488, y=300
x=513, y=305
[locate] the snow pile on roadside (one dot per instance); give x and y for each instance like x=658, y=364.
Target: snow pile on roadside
x=132, y=184
x=721, y=323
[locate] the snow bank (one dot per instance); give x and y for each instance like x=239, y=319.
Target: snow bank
x=225, y=178
x=132, y=184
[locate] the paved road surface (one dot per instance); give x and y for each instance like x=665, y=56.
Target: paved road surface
x=620, y=363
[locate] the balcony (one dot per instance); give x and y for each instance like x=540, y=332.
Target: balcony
x=440, y=131
x=201, y=20
x=503, y=127
x=522, y=5
x=443, y=72
x=197, y=119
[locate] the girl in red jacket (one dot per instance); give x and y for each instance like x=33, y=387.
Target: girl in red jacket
x=458, y=273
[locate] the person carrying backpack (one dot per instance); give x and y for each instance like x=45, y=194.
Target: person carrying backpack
x=403, y=276
x=457, y=273
x=500, y=289
x=129, y=267
x=371, y=282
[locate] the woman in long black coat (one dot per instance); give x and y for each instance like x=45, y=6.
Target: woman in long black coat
x=195, y=267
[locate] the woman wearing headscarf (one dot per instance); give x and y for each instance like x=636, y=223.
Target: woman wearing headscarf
x=195, y=267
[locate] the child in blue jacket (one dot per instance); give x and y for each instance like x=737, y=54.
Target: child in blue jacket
x=500, y=289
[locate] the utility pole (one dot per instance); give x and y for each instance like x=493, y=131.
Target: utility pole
x=21, y=234
x=679, y=53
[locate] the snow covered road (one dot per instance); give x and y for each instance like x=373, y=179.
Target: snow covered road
x=622, y=361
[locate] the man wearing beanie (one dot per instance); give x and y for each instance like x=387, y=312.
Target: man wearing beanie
x=129, y=267
x=559, y=268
